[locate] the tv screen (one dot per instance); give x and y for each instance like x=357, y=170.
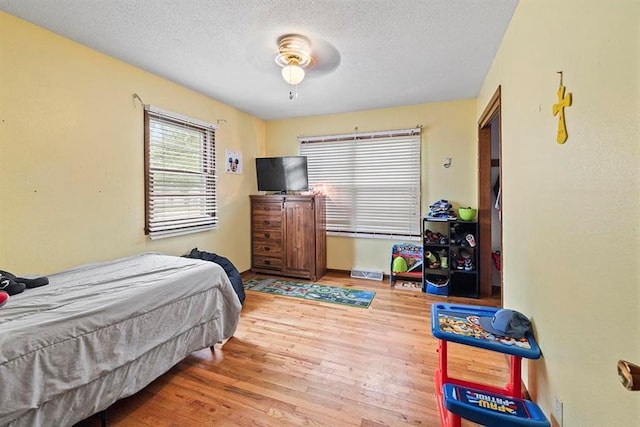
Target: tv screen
x=282, y=174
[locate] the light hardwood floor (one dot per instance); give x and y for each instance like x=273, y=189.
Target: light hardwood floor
x=302, y=363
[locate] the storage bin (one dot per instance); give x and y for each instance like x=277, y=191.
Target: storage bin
x=437, y=284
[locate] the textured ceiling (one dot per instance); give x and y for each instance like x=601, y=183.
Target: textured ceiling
x=371, y=53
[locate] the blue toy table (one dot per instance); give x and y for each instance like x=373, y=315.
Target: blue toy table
x=459, y=324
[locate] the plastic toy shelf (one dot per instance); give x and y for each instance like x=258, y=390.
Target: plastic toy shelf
x=412, y=260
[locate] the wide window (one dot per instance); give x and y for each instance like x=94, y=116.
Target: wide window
x=372, y=181
x=180, y=178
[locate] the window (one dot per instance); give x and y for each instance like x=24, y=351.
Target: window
x=180, y=180
x=372, y=182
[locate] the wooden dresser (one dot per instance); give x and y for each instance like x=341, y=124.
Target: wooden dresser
x=288, y=235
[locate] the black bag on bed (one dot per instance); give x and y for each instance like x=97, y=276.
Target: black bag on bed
x=229, y=268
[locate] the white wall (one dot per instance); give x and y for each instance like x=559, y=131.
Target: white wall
x=571, y=217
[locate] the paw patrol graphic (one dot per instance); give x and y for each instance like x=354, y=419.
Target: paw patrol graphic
x=469, y=326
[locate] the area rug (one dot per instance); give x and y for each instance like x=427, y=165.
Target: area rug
x=311, y=291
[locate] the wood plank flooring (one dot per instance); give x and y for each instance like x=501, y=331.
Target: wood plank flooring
x=301, y=363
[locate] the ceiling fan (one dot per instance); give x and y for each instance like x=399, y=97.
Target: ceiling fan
x=298, y=57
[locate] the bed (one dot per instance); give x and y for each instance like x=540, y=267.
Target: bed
x=103, y=331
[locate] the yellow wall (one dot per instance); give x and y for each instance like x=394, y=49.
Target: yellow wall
x=448, y=131
x=71, y=153
x=571, y=241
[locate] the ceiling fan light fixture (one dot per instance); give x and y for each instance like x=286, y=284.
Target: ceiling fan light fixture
x=293, y=73
x=293, y=56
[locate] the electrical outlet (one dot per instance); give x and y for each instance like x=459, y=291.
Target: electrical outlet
x=557, y=411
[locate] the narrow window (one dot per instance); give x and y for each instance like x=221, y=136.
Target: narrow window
x=180, y=180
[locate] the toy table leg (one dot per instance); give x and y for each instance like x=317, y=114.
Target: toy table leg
x=441, y=376
x=514, y=387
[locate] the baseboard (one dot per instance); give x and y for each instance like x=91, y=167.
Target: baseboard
x=334, y=271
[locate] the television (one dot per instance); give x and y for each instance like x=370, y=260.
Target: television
x=282, y=174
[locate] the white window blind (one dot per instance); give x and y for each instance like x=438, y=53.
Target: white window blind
x=372, y=181
x=180, y=178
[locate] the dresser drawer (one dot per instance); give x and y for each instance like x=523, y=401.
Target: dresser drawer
x=266, y=207
x=266, y=235
x=267, y=221
x=267, y=248
x=267, y=262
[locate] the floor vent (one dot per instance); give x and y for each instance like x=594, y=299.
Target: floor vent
x=367, y=274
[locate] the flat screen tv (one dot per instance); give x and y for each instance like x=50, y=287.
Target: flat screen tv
x=282, y=174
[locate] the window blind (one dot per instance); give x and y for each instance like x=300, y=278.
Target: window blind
x=180, y=178
x=372, y=181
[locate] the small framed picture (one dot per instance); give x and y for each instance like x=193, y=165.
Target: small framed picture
x=233, y=161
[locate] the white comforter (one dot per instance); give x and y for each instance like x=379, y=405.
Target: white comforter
x=104, y=331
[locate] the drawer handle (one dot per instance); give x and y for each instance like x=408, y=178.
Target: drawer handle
x=267, y=235
x=266, y=261
x=267, y=222
x=267, y=248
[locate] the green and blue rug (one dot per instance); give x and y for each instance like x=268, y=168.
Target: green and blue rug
x=311, y=291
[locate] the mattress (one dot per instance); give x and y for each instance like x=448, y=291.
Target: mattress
x=103, y=331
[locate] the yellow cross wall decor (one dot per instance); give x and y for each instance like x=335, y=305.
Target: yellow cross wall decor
x=558, y=109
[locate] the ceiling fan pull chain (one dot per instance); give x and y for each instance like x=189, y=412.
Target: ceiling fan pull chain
x=293, y=93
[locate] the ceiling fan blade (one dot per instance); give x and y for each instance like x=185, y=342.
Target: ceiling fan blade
x=326, y=58
x=260, y=53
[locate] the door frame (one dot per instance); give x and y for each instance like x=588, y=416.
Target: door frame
x=491, y=112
